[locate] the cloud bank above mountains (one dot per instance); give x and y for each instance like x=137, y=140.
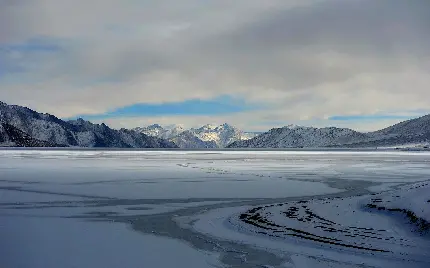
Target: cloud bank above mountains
x=287, y=61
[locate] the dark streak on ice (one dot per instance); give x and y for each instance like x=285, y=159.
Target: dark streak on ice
x=256, y=219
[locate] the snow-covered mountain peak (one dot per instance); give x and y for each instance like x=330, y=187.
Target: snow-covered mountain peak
x=208, y=135
x=293, y=126
x=227, y=126
x=222, y=135
x=154, y=126
x=208, y=127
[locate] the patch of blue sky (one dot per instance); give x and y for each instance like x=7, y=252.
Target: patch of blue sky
x=218, y=106
x=39, y=44
x=368, y=117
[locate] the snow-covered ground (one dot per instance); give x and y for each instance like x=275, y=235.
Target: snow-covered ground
x=213, y=209
x=337, y=230
x=418, y=145
x=412, y=200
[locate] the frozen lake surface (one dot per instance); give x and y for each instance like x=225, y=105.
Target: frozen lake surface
x=213, y=209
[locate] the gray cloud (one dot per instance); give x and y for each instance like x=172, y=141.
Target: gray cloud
x=326, y=42
x=306, y=59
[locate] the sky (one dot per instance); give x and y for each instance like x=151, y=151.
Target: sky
x=362, y=64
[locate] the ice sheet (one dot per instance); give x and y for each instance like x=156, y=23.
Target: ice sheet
x=52, y=243
x=113, y=203
x=335, y=230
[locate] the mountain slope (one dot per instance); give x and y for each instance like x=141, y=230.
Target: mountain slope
x=80, y=133
x=413, y=127
x=10, y=136
x=296, y=136
x=408, y=133
x=411, y=132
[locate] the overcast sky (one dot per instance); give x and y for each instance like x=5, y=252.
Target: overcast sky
x=256, y=64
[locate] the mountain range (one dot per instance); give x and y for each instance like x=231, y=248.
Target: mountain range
x=207, y=136
x=23, y=127
x=412, y=133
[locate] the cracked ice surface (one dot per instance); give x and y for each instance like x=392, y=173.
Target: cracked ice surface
x=207, y=209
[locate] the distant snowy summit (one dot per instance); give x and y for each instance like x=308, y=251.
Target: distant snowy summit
x=222, y=135
x=23, y=127
x=207, y=136
x=156, y=130
x=414, y=133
